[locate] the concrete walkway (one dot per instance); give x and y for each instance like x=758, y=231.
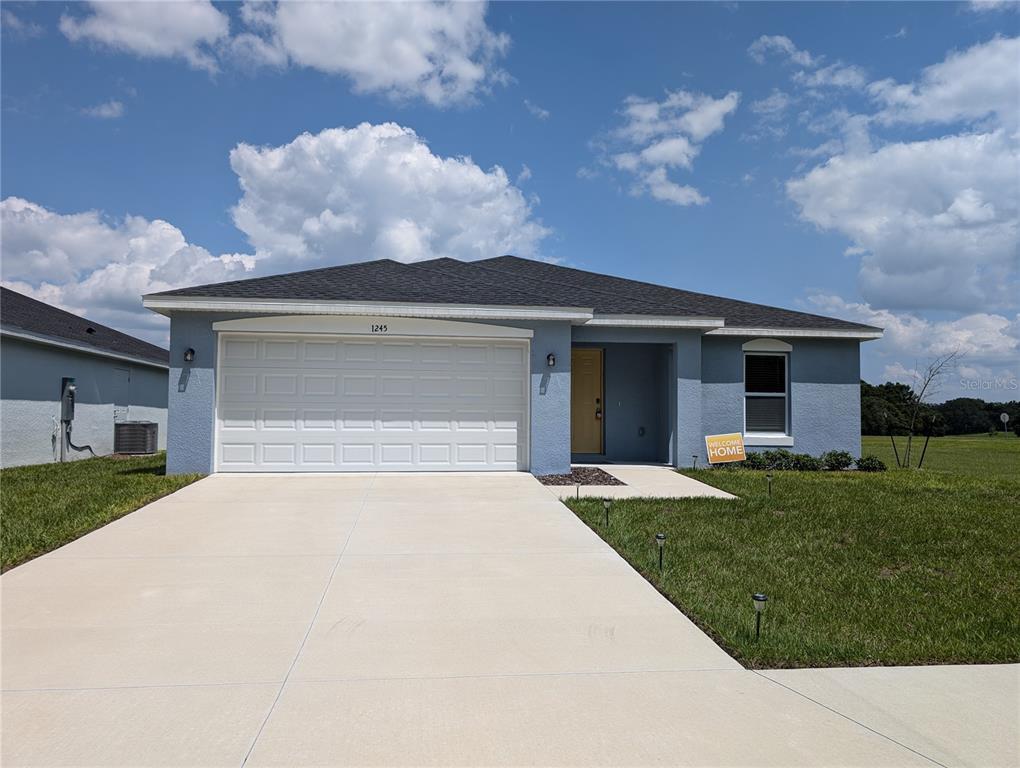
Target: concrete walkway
x=642, y=481
x=399, y=620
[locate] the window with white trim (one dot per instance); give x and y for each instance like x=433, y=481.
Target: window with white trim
x=766, y=394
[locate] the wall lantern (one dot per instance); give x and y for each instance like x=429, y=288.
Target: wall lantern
x=189, y=355
x=550, y=359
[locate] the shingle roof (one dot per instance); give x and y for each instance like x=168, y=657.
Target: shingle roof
x=508, y=281
x=19, y=312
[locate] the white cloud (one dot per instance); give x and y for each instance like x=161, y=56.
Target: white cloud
x=343, y=195
x=90, y=265
x=376, y=191
x=898, y=35
x=441, y=52
x=983, y=337
x=771, y=115
x=14, y=24
x=832, y=76
x=108, y=110
x=537, y=111
x=989, y=343
x=782, y=46
x=661, y=188
x=980, y=82
x=938, y=219
x=159, y=29
x=660, y=135
x=525, y=174
x=982, y=6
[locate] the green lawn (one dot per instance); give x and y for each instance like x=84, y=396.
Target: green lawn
x=45, y=506
x=975, y=455
x=902, y=567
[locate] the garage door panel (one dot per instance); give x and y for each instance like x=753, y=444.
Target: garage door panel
x=284, y=454
x=319, y=454
x=334, y=403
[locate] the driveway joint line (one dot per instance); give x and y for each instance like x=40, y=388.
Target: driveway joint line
x=144, y=686
x=847, y=717
x=311, y=624
x=511, y=675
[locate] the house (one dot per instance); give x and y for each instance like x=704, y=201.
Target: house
x=116, y=378
x=500, y=364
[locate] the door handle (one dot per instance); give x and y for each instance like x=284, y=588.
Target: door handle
x=598, y=413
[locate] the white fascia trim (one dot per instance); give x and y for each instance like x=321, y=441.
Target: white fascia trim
x=781, y=441
x=655, y=321
x=165, y=304
x=83, y=348
x=815, y=333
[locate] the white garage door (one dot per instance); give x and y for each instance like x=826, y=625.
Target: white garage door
x=336, y=403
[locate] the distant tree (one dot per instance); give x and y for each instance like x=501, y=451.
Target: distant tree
x=966, y=415
x=885, y=408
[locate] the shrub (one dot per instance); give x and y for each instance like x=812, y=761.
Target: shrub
x=755, y=461
x=837, y=460
x=870, y=464
x=804, y=462
x=778, y=459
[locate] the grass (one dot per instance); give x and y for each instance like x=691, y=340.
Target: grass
x=974, y=455
x=47, y=505
x=902, y=567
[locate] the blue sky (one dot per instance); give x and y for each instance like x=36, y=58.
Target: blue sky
x=855, y=159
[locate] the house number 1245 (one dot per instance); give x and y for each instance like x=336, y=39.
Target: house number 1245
x=379, y=328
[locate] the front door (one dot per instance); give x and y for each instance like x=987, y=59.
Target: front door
x=586, y=399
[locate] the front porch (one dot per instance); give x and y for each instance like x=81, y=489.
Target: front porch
x=620, y=403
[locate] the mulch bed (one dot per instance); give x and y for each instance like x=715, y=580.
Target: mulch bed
x=581, y=476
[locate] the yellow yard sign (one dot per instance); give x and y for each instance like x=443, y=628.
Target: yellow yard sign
x=724, y=448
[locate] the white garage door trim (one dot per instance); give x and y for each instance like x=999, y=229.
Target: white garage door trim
x=522, y=432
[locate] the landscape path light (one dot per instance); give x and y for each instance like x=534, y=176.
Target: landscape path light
x=759, y=599
x=605, y=506
x=694, y=461
x=768, y=479
x=660, y=539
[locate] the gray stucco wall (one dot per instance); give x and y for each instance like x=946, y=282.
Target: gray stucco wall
x=678, y=384
x=825, y=402
x=30, y=379
x=193, y=394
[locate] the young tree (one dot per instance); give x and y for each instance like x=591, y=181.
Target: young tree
x=925, y=386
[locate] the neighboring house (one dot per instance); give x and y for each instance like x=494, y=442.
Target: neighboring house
x=118, y=378
x=501, y=364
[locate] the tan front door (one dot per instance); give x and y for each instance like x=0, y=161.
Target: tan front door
x=586, y=400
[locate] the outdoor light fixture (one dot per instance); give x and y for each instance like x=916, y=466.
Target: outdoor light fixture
x=694, y=461
x=759, y=599
x=768, y=478
x=660, y=539
x=605, y=506
x=189, y=355
x=550, y=360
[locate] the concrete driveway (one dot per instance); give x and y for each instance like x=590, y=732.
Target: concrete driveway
x=380, y=620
